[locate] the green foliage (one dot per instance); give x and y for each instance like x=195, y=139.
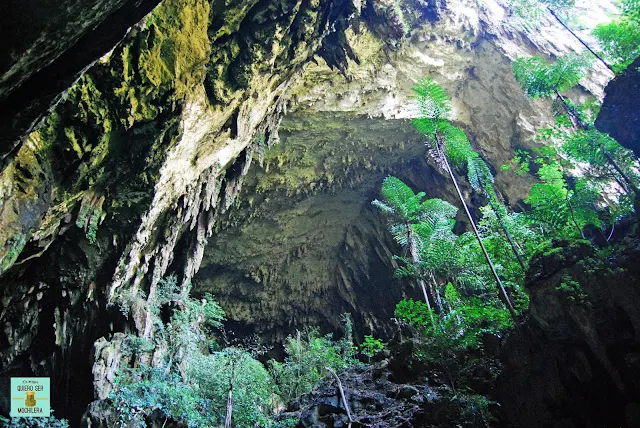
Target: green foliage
x=620, y=38
x=448, y=345
x=522, y=159
x=50, y=422
x=479, y=174
x=534, y=10
x=15, y=244
x=173, y=386
x=541, y=79
x=410, y=210
x=457, y=147
x=561, y=211
x=413, y=312
x=571, y=290
x=631, y=9
x=308, y=357
x=434, y=104
x=253, y=388
x=371, y=346
x=89, y=218
x=140, y=391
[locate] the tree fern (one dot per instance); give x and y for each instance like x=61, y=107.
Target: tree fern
x=540, y=79
x=400, y=199
x=479, y=174
x=433, y=101
x=452, y=147
x=620, y=41
x=457, y=147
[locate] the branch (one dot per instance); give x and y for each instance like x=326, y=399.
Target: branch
x=581, y=41
x=342, y=394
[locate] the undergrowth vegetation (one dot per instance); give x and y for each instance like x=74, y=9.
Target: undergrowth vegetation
x=587, y=184
x=191, y=373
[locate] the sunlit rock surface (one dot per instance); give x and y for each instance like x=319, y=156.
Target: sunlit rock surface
x=285, y=257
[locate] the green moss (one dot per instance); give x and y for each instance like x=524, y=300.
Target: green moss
x=15, y=246
x=172, y=53
x=90, y=216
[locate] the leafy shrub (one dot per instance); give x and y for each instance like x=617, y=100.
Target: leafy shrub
x=50, y=422
x=141, y=391
x=308, y=357
x=371, y=347
x=253, y=388
x=413, y=312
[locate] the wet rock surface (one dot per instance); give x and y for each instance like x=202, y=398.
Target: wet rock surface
x=381, y=396
x=134, y=169
x=46, y=46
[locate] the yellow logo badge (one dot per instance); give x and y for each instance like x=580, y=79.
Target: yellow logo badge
x=30, y=397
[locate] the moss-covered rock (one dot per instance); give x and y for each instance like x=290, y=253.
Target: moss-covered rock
x=132, y=158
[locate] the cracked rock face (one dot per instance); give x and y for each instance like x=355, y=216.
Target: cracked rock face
x=46, y=46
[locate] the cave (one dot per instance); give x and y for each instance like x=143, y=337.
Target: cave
x=433, y=202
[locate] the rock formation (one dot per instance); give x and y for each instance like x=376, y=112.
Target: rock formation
x=144, y=157
x=618, y=116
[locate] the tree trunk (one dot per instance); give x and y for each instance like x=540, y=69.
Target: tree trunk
x=437, y=293
x=227, y=419
x=501, y=291
x=415, y=256
x=577, y=122
x=496, y=209
x=557, y=18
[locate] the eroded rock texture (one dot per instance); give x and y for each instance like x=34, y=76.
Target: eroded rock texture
x=151, y=142
x=133, y=171
x=619, y=113
x=46, y=46
x=303, y=244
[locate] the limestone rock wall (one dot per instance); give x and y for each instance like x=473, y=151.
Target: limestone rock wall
x=150, y=143
x=280, y=257
x=144, y=157
x=578, y=350
x=619, y=114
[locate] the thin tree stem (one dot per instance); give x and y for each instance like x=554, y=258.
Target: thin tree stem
x=501, y=291
x=413, y=249
x=496, y=209
x=578, y=123
x=626, y=179
x=613, y=227
x=606, y=64
x=343, y=395
x=227, y=419
x=437, y=293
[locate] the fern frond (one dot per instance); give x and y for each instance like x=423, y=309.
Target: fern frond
x=479, y=173
x=433, y=100
x=541, y=79
x=435, y=209
x=383, y=207
x=457, y=146
x=400, y=234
